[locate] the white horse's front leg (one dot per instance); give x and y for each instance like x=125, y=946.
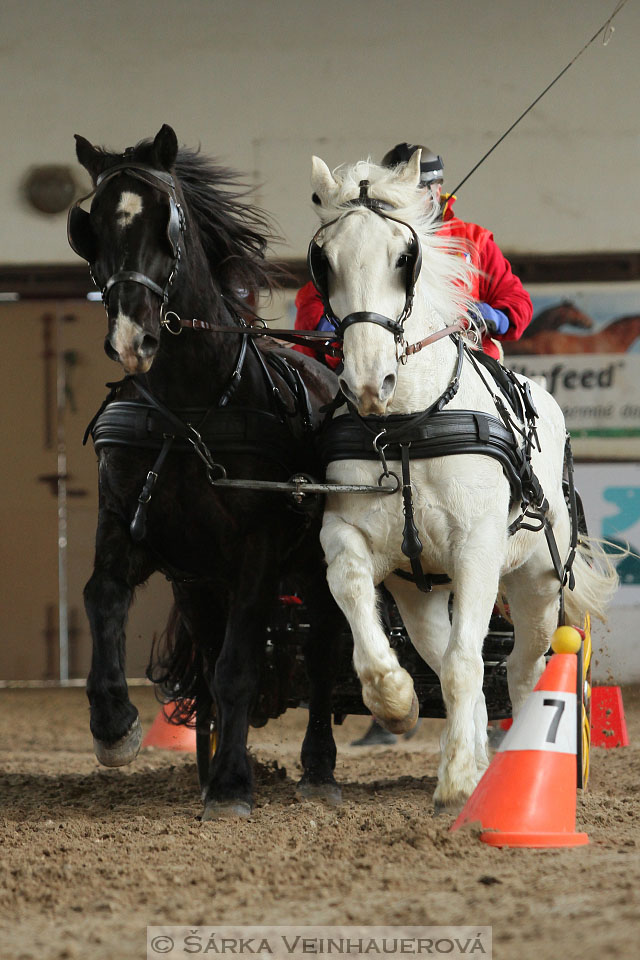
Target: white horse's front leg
x=464, y=752
x=387, y=689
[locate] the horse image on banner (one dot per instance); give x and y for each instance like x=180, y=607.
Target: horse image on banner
x=490, y=520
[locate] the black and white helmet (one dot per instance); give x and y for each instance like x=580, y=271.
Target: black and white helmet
x=431, y=164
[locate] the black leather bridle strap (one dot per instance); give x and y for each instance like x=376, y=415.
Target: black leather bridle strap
x=366, y=316
x=132, y=276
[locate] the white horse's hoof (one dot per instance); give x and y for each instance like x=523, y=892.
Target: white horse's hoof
x=451, y=801
x=452, y=807
x=226, y=810
x=123, y=751
x=395, y=725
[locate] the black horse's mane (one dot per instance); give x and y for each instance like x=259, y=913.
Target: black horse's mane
x=234, y=232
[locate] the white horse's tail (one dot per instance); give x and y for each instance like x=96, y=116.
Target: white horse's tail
x=596, y=582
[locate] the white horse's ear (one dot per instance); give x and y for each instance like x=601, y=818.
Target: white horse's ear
x=411, y=172
x=322, y=180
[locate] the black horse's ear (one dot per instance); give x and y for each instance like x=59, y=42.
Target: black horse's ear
x=165, y=147
x=89, y=156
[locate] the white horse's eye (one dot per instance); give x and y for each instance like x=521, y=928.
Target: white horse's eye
x=402, y=260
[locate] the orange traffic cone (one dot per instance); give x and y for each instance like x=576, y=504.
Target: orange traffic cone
x=169, y=736
x=527, y=796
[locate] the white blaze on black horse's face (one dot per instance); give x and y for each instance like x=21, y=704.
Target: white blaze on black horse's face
x=130, y=206
x=134, y=348
x=132, y=222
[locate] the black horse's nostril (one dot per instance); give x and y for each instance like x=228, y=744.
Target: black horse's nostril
x=108, y=349
x=388, y=386
x=148, y=345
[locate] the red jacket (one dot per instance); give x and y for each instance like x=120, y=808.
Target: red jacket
x=496, y=285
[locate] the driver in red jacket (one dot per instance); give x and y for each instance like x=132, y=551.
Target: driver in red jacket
x=503, y=305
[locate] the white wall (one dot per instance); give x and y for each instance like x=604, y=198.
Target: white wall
x=263, y=84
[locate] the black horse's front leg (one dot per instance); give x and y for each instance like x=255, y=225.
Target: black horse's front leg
x=318, y=754
x=229, y=792
x=116, y=729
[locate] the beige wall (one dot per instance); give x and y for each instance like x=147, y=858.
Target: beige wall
x=263, y=84
x=28, y=507
x=266, y=83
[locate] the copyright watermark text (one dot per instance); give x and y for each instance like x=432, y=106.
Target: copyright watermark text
x=324, y=943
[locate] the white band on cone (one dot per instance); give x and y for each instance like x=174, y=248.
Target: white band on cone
x=547, y=721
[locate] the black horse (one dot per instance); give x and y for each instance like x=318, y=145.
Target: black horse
x=177, y=248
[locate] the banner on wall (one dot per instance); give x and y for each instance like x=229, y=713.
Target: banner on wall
x=585, y=340
x=611, y=498
x=600, y=398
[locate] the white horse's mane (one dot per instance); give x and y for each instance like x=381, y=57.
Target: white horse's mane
x=446, y=274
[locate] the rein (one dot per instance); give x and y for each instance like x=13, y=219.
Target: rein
x=318, y=340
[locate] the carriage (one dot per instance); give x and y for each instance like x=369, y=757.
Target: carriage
x=208, y=465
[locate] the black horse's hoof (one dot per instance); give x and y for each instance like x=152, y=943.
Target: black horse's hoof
x=123, y=751
x=326, y=792
x=226, y=810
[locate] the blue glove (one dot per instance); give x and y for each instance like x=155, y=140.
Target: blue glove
x=495, y=320
x=325, y=324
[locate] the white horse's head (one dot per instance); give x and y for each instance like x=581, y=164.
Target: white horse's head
x=365, y=258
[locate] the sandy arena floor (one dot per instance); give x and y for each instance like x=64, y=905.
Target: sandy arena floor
x=91, y=856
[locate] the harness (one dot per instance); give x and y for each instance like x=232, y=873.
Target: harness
x=437, y=432
x=147, y=423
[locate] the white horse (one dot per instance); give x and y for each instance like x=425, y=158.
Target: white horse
x=463, y=504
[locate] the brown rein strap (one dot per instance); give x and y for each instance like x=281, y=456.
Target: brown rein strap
x=456, y=327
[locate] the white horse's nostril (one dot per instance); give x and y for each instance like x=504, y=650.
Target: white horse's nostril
x=349, y=394
x=388, y=386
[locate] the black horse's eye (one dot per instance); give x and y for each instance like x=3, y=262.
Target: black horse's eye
x=402, y=260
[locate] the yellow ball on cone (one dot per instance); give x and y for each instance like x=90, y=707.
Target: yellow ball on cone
x=566, y=640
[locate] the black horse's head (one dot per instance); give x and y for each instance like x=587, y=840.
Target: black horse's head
x=132, y=238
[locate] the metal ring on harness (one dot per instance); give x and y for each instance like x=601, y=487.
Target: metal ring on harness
x=166, y=323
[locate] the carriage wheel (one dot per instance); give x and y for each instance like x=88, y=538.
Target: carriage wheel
x=583, y=690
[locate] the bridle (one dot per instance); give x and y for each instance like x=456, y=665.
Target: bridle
x=318, y=270
x=79, y=231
